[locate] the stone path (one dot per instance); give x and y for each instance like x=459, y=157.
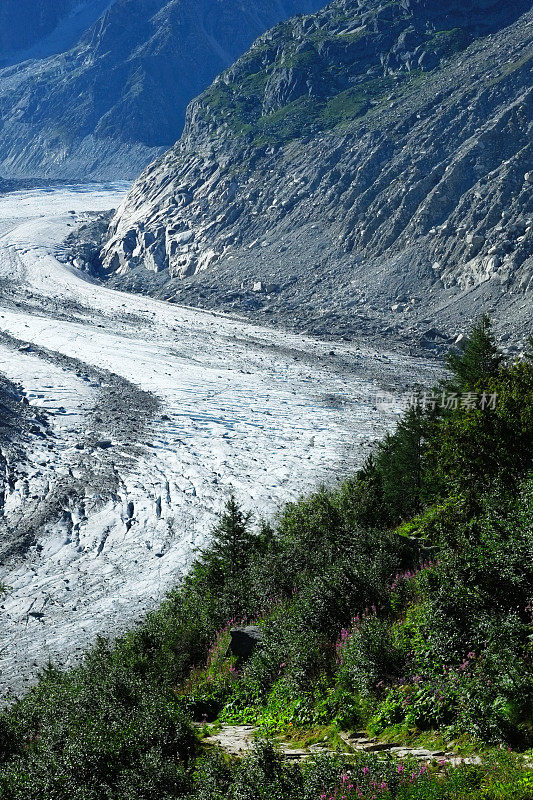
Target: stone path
x=359, y=742
x=239, y=739
x=233, y=739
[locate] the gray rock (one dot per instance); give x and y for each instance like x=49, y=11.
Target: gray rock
x=244, y=641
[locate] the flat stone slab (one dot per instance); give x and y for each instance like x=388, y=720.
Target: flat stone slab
x=234, y=739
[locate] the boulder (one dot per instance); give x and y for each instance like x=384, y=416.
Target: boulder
x=244, y=641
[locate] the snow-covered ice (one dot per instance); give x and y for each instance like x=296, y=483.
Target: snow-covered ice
x=157, y=413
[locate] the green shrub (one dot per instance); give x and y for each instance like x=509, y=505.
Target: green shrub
x=368, y=654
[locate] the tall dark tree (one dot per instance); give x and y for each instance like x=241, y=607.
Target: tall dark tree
x=400, y=462
x=477, y=361
x=232, y=540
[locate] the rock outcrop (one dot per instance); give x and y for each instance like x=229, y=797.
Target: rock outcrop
x=367, y=166
x=96, y=90
x=243, y=642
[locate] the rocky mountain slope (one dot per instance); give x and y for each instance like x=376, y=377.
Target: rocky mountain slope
x=97, y=89
x=23, y=23
x=365, y=169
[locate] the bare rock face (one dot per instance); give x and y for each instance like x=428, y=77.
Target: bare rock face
x=96, y=89
x=367, y=152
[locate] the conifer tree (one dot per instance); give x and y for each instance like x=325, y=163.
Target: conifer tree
x=231, y=541
x=401, y=464
x=478, y=359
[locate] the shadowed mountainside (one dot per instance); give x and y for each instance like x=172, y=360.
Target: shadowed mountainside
x=108, y=84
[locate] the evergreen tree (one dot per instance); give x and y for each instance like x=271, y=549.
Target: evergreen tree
x=477, y=361
x=401, y=465
x=231, y=541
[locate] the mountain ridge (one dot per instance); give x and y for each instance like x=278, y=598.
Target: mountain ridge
x=107, y=106
x=401, y=202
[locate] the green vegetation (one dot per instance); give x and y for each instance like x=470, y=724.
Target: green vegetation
x=446, y=43
x=512, y=66
x=400, y=603
x=241, y=107
x=348, y=69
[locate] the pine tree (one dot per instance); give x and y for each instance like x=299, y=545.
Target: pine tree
x=401, y=464
x=477, y=361
x=231, y=540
